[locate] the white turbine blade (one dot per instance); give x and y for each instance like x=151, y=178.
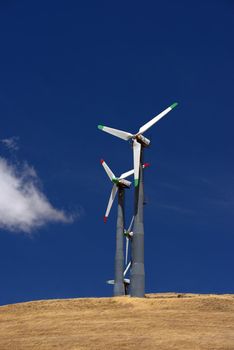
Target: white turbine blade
x=155, y=119
x=110, y=282
x=127, y=268
x=108, y=170
x=131, y=223
x=118, y=133
x=127, y=174
x=111, y=200
x=136, y=161
x=131, y=172
x=126, y=254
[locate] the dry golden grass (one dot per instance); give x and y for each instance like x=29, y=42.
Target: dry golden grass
x=165, y=321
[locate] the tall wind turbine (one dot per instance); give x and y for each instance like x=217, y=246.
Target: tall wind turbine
x=139, y=143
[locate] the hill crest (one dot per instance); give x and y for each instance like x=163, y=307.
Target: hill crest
x=160, y=321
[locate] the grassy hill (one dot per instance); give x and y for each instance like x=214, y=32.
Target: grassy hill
x=160, y=322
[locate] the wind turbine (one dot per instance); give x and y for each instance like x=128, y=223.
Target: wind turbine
x=139, y=142
x=126, y=280
x=119, y=185
x=138, y=139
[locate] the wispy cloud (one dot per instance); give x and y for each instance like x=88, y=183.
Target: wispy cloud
x=171, y=186
x=11, y=143
x=23, y=206
x=177, y=209
x=199, y=195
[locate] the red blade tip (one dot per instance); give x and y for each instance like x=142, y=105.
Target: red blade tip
x=102, y=161
x=146, y=165
x=105, y=219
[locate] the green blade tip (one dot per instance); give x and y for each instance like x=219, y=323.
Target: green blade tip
x=174, y=105
x=100, y=127
x=136, y=182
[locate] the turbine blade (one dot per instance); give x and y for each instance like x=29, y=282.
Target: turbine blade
x=110, y=173
x=126, y=253
x=118, y=133
x=127, y=268
x=111, y=200
x=136, y=161
x=155, y=119
x=110, y=282
x=131, y=172
x=127, y=174
x=131, y=223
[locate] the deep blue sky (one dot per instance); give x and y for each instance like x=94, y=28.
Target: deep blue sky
x=66, y=66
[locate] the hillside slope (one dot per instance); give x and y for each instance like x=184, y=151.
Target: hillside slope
x=161, y=321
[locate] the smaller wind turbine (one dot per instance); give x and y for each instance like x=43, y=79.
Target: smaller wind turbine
x=126, y=281
x=119, y=182
x=119, y=185
x=138, y=140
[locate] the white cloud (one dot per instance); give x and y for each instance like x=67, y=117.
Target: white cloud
x=23, y=206
x=11, y=143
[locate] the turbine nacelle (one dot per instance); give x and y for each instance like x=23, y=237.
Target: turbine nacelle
x=128, y=234
x=121, y=182
x=142, y=140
